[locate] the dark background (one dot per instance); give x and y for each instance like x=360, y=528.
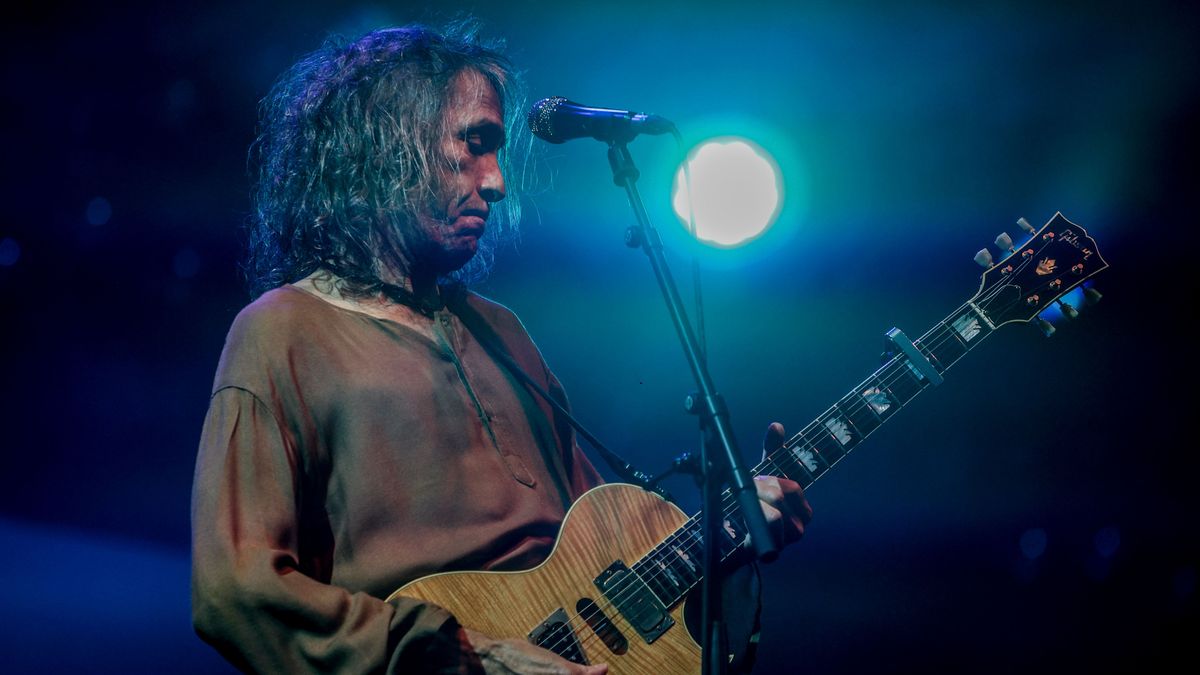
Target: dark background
x=1036, y=513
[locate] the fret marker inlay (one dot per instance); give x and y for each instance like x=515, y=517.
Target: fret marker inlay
x=967, y=327
x=839, y=430
x=877, y=400
x=807, y=458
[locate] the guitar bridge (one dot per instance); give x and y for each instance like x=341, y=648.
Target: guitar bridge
x=557, y=635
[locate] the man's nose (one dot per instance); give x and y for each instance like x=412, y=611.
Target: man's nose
x=491, y=182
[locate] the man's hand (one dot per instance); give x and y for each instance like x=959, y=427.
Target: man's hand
x=783, y=501
x=518, y=657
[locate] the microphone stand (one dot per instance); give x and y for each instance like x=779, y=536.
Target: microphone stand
x=720, y=462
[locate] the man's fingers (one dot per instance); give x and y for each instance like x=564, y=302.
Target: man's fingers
x=785, y=525
x=784, y=505
x=774, y=438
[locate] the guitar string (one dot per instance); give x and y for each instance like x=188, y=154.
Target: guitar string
x=881, y=376
x=687, y=529
x=888, y=375
x=729, y=507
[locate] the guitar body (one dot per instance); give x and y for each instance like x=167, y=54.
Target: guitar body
x=608, y=523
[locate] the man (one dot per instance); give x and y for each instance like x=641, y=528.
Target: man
x=360, y=435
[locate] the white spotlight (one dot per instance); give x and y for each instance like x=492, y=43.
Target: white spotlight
x=736, y=188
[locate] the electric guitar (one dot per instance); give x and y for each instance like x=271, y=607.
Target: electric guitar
x=613, y=588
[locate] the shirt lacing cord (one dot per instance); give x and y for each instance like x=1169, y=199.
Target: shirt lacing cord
x=426, y=306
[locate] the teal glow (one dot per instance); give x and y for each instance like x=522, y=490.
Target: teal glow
x=1074, y=297
x=736, y=188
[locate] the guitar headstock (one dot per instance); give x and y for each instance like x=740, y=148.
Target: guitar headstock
x=1035, y=275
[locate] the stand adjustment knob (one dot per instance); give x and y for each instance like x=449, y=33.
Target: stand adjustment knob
x=633, y=237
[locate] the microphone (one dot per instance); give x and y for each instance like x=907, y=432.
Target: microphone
x=558, y=120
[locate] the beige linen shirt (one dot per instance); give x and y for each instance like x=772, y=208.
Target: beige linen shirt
x=344, y=455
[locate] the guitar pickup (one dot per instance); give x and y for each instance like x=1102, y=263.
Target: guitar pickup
x=635, y=601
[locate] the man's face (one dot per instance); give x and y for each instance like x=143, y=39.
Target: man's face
x=469, y=180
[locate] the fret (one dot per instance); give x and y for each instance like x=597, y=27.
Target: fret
x=969, y=328
x=783, y=461
x=930, y=357
x=643, y=570
x=875, y=395
x=684, y=564
x=675, y=566
x=677, y=556
x=934, y=337
x=735, y=532
x=667, y=583
x=942, y=346
x=859, y=414
x=840, y=428
x=687, y=546
x=903, y=380
x=672, y=575
x=818, y=438
x=814, y=464
x=648, y=571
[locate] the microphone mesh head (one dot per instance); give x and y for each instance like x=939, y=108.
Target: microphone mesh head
x=541, y=118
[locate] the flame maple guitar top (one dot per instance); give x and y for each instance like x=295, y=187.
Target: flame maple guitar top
x=608, y=523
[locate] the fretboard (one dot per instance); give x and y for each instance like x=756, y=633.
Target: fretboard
x=673, y=567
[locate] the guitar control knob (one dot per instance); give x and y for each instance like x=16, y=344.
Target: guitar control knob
x=1024, y=225
x=1046, y=327
x=1056, y=284
x=1068, y=311
x=1077, y=269
x=1092, y=296
x=983, y=258
x=1027, y=253
x=1032, y=300
x=1004, y=242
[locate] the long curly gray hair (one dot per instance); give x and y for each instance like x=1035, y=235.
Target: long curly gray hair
x=347, y=154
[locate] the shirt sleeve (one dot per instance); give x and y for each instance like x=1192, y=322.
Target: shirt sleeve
x=250, y=598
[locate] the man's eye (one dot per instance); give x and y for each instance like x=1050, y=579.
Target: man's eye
x=482, y=141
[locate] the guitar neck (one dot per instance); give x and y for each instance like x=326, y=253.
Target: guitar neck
x=672, y=568
x=1029, y=278
x=831, y=436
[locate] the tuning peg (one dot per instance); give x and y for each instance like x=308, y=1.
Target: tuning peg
x=1024, y=225
x=1046, y=327
x=1092, y=296
x=1068, y=311
x=1004, y=242
x=983, y=258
